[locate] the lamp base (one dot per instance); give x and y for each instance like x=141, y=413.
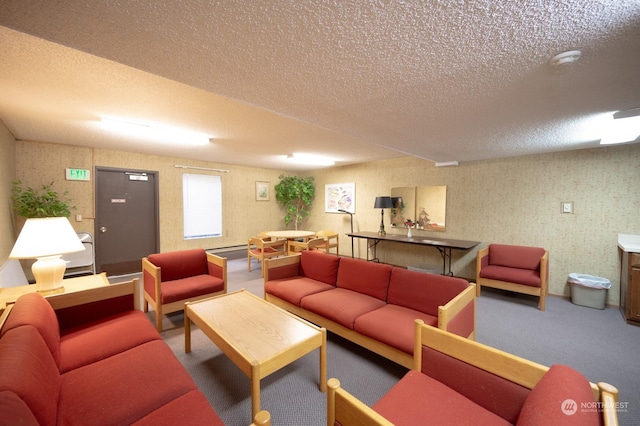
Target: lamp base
x=381, y=231
x=49, y=272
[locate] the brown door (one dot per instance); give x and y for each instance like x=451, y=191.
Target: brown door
x=126, y=225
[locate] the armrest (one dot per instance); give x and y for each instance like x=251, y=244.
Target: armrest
x=262, y=418
x=219, y=268
x=77, y=308
x=609, y=400
x=544, y=271
x=151, y=279
x=458, y=315
x=346, y=409
x=482, y=260
x=281, y=267
x=296, y=246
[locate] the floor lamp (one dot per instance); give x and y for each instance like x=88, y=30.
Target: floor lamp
x=382, y=203
x=351, y=219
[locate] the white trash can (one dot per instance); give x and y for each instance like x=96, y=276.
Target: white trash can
x=588, y=290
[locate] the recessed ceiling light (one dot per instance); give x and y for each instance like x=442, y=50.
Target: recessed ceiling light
x=153, y=131
x=310, y=159
x=565, y=58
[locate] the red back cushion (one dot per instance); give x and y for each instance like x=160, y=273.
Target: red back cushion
x=365, y=277
x=515, y=256
x=28, y=370
x=180, y=264
x=319, y=266
x=33, y=309
x=563, y=396
x=421, y=291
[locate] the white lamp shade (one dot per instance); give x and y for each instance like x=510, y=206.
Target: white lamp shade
x=46, y=237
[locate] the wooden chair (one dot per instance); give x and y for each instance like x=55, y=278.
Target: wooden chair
x=298, y=246
x=261, y=249
x=173, y=278
x=331, y=241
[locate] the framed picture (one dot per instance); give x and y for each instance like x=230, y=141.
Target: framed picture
x=340, y=196
x=262, y=191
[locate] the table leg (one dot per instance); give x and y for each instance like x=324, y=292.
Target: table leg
x=255, y=388
x=323, y=361
x=187, y=331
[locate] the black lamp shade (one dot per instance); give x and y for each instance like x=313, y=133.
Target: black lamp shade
x=383, y=203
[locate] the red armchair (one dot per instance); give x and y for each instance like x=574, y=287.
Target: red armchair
x=173, y=278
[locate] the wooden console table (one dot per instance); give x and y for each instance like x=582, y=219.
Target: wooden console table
x=443, y=245
x=71, y=285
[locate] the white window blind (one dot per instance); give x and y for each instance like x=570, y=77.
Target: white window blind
x=202, y=204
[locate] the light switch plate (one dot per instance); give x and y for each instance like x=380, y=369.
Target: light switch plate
x=567, y=207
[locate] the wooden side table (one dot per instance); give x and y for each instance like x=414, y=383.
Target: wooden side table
x=70, y=285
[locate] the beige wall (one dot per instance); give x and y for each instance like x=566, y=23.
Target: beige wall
x=243, y=216
x=514, y=201
x=7, y=176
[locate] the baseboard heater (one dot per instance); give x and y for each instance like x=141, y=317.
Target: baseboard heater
x=226, y=249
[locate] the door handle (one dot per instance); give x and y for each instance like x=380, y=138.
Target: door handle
x=103, y=229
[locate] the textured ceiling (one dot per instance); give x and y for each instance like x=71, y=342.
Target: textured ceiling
x=354, y=80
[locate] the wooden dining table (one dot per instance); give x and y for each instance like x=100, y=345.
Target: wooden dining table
x=290, y=234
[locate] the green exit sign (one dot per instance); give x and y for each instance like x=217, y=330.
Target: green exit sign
x=78, y=174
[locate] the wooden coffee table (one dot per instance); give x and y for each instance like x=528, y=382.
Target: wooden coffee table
x=260, y=338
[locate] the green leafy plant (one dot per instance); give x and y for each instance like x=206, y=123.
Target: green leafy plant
x=296, y=194
x=45, y=202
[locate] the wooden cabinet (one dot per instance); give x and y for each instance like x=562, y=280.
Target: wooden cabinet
x=630, y=287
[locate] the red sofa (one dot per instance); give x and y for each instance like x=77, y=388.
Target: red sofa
x=372, y=304
x=458, y=381
x=99, y=362
x=514, y=268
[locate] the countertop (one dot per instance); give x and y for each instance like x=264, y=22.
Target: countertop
x=629, y=243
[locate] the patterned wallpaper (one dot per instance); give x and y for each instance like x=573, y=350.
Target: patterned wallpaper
x=512, y=201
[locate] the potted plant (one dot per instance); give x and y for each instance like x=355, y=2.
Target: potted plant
x=45, y=202
x=296, y=194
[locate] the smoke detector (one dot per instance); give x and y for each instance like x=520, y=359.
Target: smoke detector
x=564, y=58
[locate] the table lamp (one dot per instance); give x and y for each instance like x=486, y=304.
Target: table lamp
x=47, y=239
x=382, y=203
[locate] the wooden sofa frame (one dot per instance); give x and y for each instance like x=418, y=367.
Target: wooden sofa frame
x=542, y=292
x=178, y=305
x=346, y=409
x=445, y=313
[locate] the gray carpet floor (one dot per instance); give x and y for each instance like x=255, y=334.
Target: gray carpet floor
x=598, y=343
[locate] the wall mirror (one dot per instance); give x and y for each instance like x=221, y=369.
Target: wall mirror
x=425, y=205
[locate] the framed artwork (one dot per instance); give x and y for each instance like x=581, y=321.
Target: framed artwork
x=262, y=191
x=340, y=196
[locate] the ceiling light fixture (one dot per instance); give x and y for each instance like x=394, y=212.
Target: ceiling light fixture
x=564, y=58
x=623, y=127
x=156, y=132
x=310, y=159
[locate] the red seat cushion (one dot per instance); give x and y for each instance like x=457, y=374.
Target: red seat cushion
x=393, y=325
x=418, y=399
x=513, y=275
x=340, y=305
x=190, y=287
x=563, y=396
x=123, y=388
x=189, y=409
x=294, y=289
x=101, y=339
